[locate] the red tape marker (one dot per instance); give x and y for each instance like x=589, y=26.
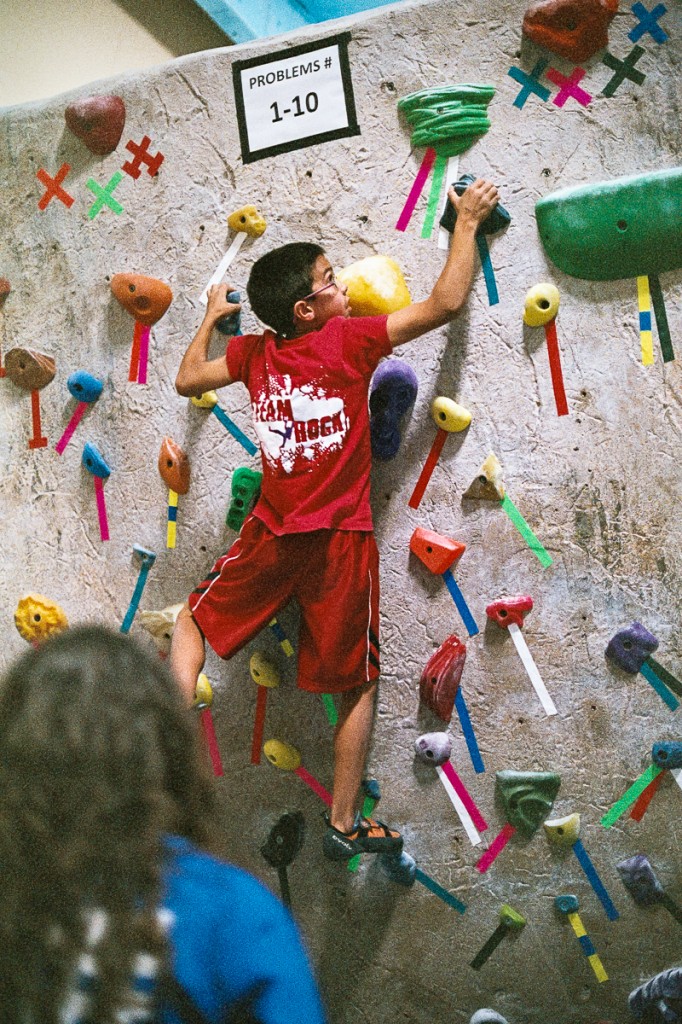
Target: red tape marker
x=53, y=186
x=36, y=441
x=316, y=786
x=555, y=368
x=259, y=723
x=496, y=847
x=429, y=466
x=211, y=741
x=644, y=799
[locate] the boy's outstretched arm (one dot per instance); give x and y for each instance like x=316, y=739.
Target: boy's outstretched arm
x=197, y=372
x=452, y=287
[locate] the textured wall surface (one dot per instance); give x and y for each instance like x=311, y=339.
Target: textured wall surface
x=600, y=487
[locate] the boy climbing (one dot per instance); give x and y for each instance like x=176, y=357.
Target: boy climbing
x=310, y=534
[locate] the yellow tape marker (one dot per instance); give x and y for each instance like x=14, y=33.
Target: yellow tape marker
x=645, y=336
x=172, y=516
x=598, y=968
x=577, y=925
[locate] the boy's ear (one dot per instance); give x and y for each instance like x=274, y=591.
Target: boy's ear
x=303, y=312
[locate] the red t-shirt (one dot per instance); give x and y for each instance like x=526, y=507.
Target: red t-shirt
x=309, y=400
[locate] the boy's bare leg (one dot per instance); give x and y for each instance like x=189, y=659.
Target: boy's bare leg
x=351, y=743
x=188, y=653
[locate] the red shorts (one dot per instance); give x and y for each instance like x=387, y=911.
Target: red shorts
x=334, y=575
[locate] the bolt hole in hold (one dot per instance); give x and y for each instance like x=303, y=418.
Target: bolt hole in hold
x=429, y=753
x=442, y=416
x=571, y=26
x=131, y=287
x=503, y=613
x=627, y=644
x=560, y=831
x=622, y=225
x=482, y=479
x=36, y=617
x=242, y=220
x=169, y=463
x=429, y=549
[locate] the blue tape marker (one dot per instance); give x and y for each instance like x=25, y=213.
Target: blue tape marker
x=661, y=689
x=648, y=22
x=468, y=730
x=233, y=429
x=594, y=880
x=530, y=83
x=587, y=944
x=438, y=890
x=137, y=595
x=645, y=320
x=172, y=513
x=462, y=606
x=488, y=272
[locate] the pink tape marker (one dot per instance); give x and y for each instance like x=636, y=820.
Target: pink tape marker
x=496, y=847
x=465, y=796
x=417, y=189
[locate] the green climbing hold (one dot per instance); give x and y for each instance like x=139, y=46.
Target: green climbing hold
x=629, y=227
x=449, y=118
x=528, y=797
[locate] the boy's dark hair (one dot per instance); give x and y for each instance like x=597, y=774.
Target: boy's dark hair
x=278, y=280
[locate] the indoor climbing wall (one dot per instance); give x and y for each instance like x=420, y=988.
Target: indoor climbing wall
x=542, y=487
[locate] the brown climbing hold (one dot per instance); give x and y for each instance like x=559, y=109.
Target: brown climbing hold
x=574, y=29
x=488, y=485
x=97, y=121
x=145, y=298
x=174, y=466
x=5, y=289
x=28, y=369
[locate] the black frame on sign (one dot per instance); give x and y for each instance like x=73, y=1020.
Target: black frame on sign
x=353, y=128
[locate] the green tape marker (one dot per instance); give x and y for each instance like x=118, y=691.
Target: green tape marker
x=367, y=808
x=524, y=529
x=434, y=195
x=661, y=318
x=630, y=795
x=330, y=708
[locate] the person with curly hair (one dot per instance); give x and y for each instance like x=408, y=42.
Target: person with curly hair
x=114, y=904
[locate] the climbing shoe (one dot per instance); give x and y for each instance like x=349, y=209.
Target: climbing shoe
x=366, y=836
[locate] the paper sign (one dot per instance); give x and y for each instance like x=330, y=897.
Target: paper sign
x=294, y=98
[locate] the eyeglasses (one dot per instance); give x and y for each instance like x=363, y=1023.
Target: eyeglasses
x=332, y=284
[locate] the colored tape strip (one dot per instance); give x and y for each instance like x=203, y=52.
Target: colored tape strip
x=101, y=509
x=330, y=708
x=434, y=195
x=531, y=669
x=172, y=518
x=211, y=741
x=524, y=529
x=135, y=599
x=671, y=681
x=76, y=417
x=465, y=796
x=451, y=175
x=429, y=466
x=644, y=799
x=427, y=163
x=283, y=639
x=233, y=429
x=630, y=795
x=144, y=354
x=259, y=724
x=677, y=775
x=439, y=891
x=662, y=325
x=598, y=968
x=595, y=881
x=645, y=336
x=496, y=847
x=316, y=786
x=134, y=368
x=555, y=369
x=577, y=925
x=462, y=607
x=220, y=270
x=460, y=810
x=489, y=947
x=37, y=441
x=659, y=686
x=488, y=272
x=468, y=732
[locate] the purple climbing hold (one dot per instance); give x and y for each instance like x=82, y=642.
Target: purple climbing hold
x=639, y=879
x=663, y=987
x=433, y=748
x=630, y=647
x=392, y=392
